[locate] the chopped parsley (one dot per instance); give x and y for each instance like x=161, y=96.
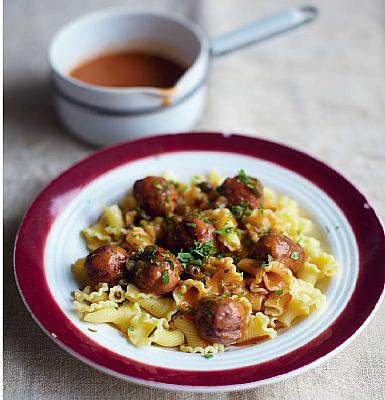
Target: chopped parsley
x=226, y=271
x=294, y=255
x=209, y=355
x=131, y=328
x=196, y=254
x=165, y=277
x=152, y=332
x=203, y=249
x=224, y=231
x=241, y=210
x=191, y=224
x=269, y=258
x=185, y=257
x=279, y=292
x=157, y=185
x=243, y=177
x=205, y=219
x=167, y=259
x=337, y=227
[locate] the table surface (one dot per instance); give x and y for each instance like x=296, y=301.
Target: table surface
x=320, y=89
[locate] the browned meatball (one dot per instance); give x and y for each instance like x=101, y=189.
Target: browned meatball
x=281, y=249
x=155, y=195
x=242, y=190
x=220, y=320
x=184, y=233
x=154, y=270
x=106, y=264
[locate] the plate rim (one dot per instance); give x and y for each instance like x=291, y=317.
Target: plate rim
x=194, y=141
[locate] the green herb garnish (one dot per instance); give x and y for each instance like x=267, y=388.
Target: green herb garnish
x=294, y=255
x=241, y=210
x=191, y=224
x=185, y=257
x=203, y=250
x=131, y=328
x=209, y=355
x=224, y=231
x=165, y=277
x=157, y=185
x=279, y=292
x=243, y=177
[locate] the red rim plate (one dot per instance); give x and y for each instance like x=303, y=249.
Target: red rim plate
x=35, y=226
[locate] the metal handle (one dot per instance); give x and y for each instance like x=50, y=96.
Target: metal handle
x=263, y=29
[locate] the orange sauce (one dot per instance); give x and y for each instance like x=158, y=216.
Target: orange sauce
x=129, y=69
x=191, y=297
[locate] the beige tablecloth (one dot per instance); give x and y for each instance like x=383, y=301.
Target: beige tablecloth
x=320, y=90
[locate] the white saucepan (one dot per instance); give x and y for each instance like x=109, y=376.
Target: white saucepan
x=103, y=115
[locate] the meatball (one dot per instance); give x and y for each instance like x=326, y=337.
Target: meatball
x=106, y=264
x=242, y=190
x=281, y=249
x=184, y=233
x=155, y=195
x=220, y=320
x=154, y=270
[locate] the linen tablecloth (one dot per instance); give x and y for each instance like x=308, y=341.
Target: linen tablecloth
x=320, y=89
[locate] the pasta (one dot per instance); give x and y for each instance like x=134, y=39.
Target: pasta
x=100, y=293
x=201, y=266
x=257, y=329
x=108, y=229
x=159, y=307
x=224, y=221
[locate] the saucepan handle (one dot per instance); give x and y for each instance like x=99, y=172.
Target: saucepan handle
x=263, y=29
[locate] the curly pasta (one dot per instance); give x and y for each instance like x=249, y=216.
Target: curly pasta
x=257, y=329
x=159, y=307
x=100, y=294
x=226, y=225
